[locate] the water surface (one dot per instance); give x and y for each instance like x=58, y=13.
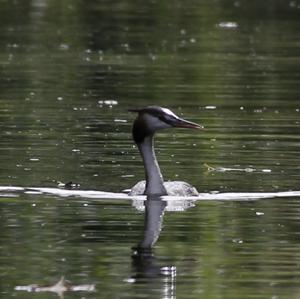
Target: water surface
x=69, y=72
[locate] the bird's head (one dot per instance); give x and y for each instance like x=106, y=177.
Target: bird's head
x=153, y=118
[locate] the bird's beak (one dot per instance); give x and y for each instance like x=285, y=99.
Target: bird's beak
x=182, y=123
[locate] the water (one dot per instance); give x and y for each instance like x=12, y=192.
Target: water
x=69, y=72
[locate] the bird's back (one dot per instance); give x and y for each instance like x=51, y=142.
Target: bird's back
x=174, y=188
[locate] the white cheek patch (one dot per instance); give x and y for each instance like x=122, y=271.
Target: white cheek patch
x=169, y=112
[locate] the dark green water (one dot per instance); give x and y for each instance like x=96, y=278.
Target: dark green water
x=69, y=70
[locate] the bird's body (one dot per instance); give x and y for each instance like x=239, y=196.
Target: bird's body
x=173, y=188
x=149, y=120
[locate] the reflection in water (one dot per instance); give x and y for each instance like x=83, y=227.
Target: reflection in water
x=144, y=262
x=154, y=212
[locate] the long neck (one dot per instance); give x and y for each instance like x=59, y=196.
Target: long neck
x=154, y=178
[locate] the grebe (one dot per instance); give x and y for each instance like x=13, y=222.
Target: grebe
x=148, y=121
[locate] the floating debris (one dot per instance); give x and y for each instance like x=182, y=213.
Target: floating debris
x=70, y=185
x=266, y=170
x=118, y=120
x=108, y=102
x=225, y=169
x=210, y=107
x=59, y=288
x=228, y=25
x=209, y=168
x=237, y=241
x=259, y=213
x=34, y=159
x=130, y=280
x=128, y=176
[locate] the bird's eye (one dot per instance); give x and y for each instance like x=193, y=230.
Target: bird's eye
x=166, y=119
x=162, y=118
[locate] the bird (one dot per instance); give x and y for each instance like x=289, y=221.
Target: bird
x=149, y=120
